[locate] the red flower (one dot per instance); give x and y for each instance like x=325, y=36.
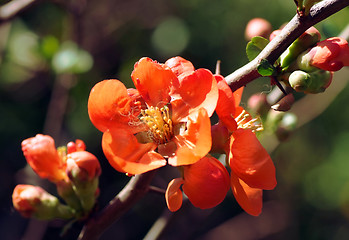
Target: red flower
x=205, y=182
x=166, y=116
x=252, y=169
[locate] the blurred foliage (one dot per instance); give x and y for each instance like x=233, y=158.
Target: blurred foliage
x=88, y=41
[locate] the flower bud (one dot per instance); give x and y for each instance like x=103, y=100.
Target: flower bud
x=83, y=170
x=257, y=27
x=302, y=43
x=284, y=104
x=41, y=154
x=320, y=80
x=274, y=34
x=286, y=126
x=33, y=201
x=82, y=166
x=299, y=80
x=330, y=54
x=258, y=104
x=76, y=146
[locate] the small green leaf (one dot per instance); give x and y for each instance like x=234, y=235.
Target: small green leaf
x=265, y=68
x=255, y=46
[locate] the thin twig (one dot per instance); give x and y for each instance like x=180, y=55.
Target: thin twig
x=135, y=189
x=279, y=44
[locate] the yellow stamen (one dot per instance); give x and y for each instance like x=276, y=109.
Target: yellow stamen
x=159, y=123
x=255, y=124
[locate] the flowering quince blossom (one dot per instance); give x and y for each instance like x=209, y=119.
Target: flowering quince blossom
x=252, y=169
x=164, y=120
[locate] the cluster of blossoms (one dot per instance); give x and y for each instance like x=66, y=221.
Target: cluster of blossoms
x=166, y=121
x=74, y=171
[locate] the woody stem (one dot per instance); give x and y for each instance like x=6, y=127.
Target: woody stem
x=279, y=44
x=135, y=189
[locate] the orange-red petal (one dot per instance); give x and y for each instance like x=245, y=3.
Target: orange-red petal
x=173, y=195
x=197, y=90
x=195, y=142
x=238, y=95
x=109, y=105
x=153, y=81
x=41, y=154
x=226, y=104
x=180, y=66
x=206, y=182
x=250, y=199
x=250, y=161
x=127, y=155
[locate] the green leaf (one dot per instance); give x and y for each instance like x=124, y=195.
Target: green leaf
x=255, y=46
x=265, y=68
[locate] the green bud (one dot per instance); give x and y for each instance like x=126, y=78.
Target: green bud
x=299, y=80
x=305, y=41
x=320, y=80
x=304, y=60
x=286, y=126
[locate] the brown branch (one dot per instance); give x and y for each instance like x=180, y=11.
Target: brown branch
x=13, y=8
x=135, y=189
x=279, y=44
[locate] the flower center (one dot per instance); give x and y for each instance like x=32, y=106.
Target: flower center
x=245, y=121
x=159, y=123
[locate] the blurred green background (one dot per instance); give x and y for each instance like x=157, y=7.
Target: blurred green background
x=53, y=53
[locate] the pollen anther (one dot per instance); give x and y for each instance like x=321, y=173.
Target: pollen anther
x=245, y=121
x=159, y=123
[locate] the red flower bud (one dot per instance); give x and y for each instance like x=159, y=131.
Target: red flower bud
x=33, y=201
x=330, y=54
x=257, y=27
x=82, y=166
x=41, y=154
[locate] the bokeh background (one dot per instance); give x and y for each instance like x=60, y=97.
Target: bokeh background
x=53, y=53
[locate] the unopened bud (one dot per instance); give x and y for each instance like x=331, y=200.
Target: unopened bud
x=284, y=104
x=308, y=39
x=258, y=104
x=286, y=126
x=257, y=27
x=82, y=166
x=330, y=54
x=274, y=34
x=76, y=146
x=299, y=80
x=320, y=80
x=83, y=170
x=33, y=201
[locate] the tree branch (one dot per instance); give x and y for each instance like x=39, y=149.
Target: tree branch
x=279, y=44
x=13, y=8
x=135, y=189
